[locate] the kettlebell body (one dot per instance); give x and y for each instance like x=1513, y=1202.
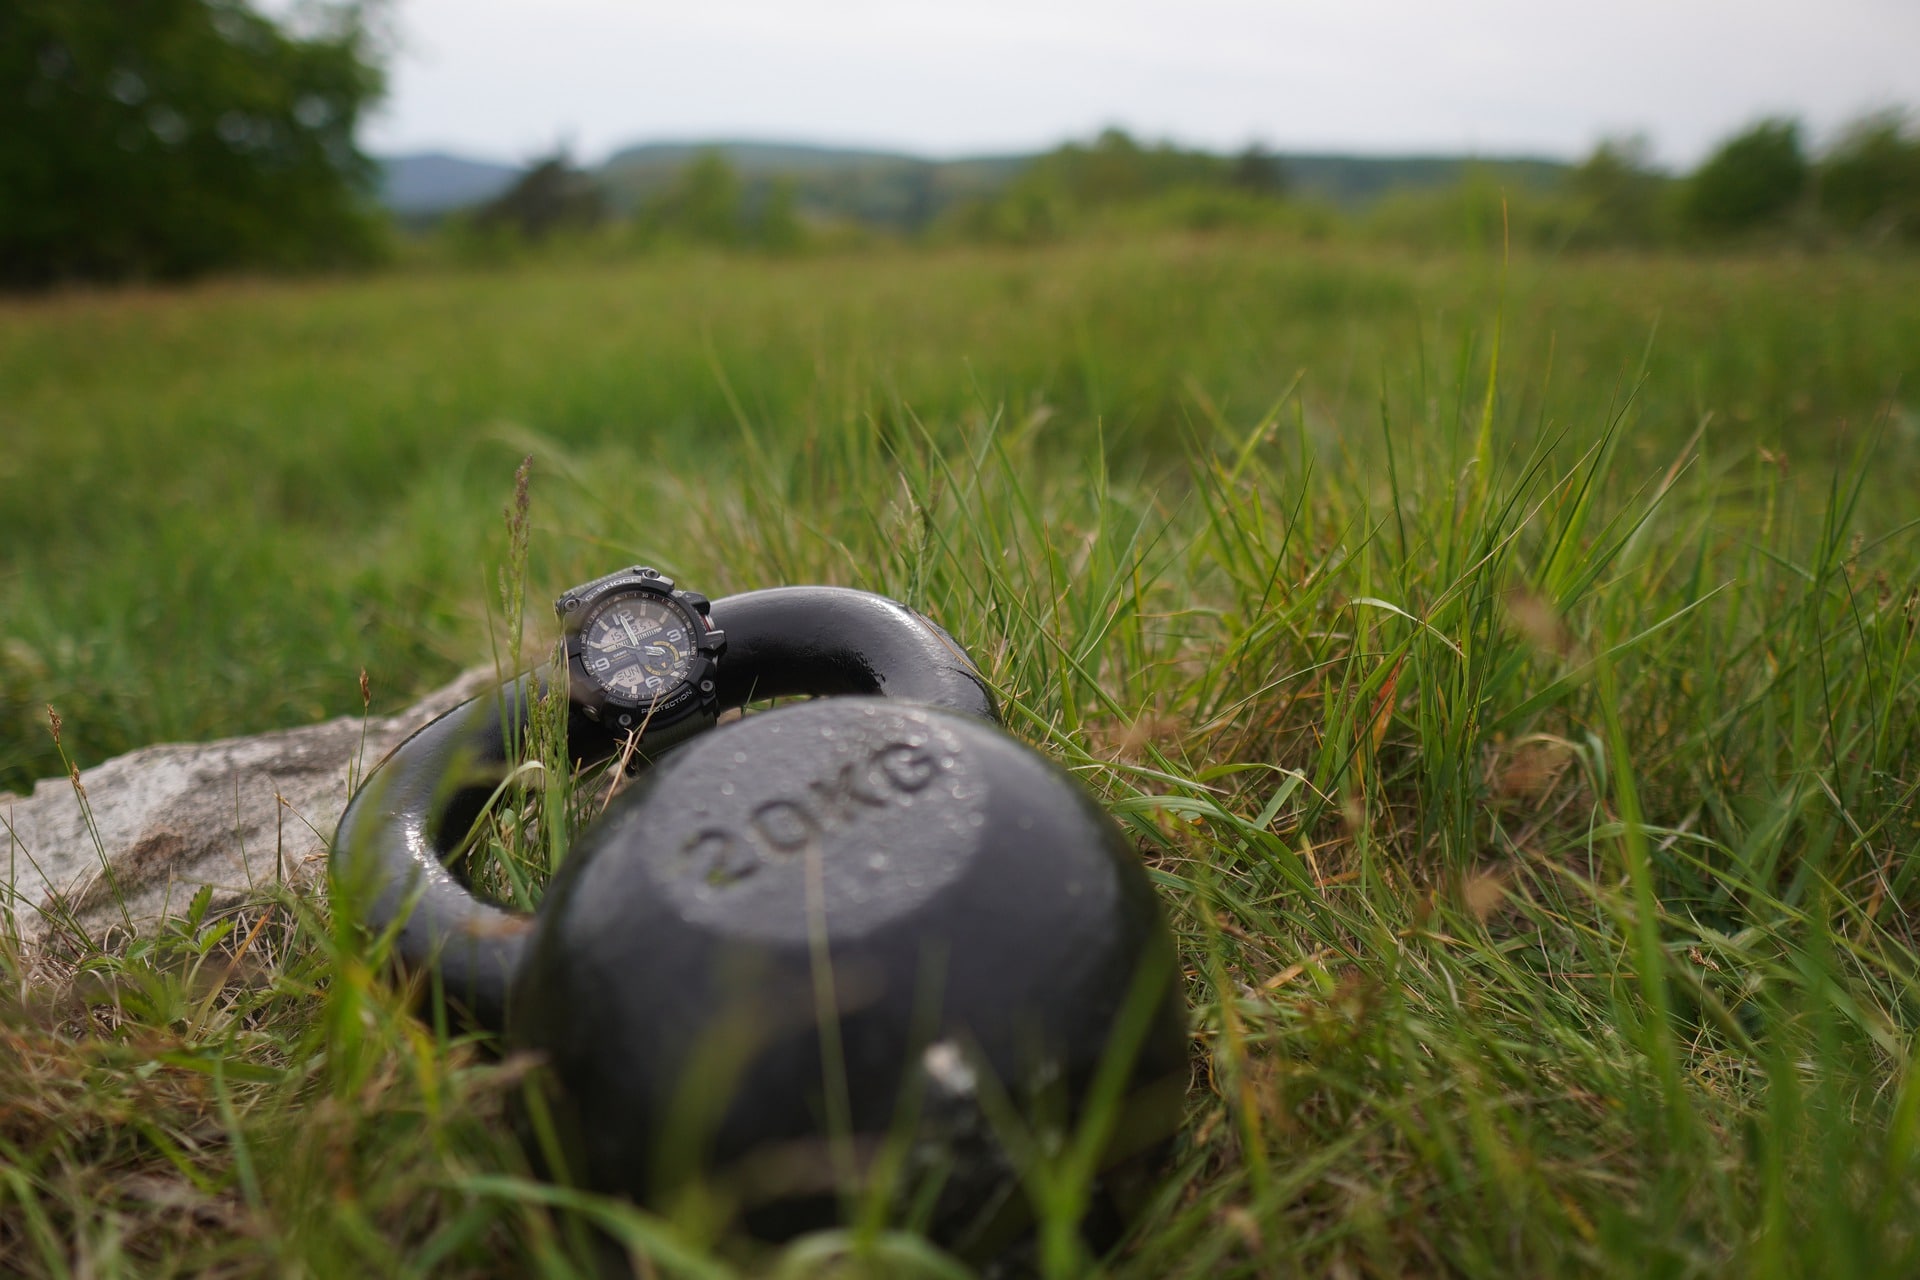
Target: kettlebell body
x=831, y=925
x=864, y=939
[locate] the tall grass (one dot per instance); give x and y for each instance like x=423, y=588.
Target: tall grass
x=1527, y=761
x=217, y=507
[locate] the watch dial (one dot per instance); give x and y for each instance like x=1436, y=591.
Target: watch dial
x=637, y=648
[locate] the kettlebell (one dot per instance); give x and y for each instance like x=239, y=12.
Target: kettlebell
x=865, y=938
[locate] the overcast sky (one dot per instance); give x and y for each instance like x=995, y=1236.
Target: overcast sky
x=507, y=79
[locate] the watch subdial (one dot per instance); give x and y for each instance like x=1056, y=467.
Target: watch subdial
x=633, y=683
x=664, y=659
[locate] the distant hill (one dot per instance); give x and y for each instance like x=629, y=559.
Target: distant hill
x=434, y=182
x=1352, y=181
x=896, y=189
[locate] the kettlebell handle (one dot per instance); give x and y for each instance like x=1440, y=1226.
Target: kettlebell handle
x=391, y=850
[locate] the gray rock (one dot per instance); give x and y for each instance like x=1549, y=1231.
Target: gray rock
x=235, y=814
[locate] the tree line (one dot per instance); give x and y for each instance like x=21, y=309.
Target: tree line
x=1763, y=184
x=1760, y=186
x=1762, y=181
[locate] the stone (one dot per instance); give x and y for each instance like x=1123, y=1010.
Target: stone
x=237, y=814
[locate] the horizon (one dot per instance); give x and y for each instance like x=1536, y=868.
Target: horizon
x=695, y=142
x=501, y=80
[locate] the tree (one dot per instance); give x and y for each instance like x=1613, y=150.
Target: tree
x=1870, y=180
x=1619, y=191
x=779, y=227
x=1077, y=181
x=703, y=205
x=1755, y=179
x=1116, y=170
x=1260, y=171
x=550, y=196
x=172, y=137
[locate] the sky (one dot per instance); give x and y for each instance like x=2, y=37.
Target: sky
x=512, y=79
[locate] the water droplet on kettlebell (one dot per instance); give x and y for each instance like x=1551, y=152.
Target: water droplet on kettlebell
x=739, y=757
x=726, y=788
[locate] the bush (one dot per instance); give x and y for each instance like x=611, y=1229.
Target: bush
x=1479, y=212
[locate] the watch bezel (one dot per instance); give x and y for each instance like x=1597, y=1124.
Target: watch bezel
x=690, y=693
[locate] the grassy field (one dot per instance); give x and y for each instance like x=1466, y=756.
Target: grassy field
x=1510, y=673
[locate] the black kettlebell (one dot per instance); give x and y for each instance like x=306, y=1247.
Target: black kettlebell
x=854, y=938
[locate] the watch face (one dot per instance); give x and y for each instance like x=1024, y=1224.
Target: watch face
x=636, y=647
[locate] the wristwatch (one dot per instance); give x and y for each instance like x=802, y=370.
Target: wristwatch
x=641, y=656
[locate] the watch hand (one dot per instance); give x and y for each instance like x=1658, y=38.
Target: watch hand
x=627, y=625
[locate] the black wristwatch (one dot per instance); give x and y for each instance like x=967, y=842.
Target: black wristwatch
x=641, y=656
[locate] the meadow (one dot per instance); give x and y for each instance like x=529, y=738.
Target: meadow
x=1507, y=668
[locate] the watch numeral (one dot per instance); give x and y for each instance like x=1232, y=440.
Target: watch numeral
x=599, y=664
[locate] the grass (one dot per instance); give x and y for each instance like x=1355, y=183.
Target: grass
x=1526, y=749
